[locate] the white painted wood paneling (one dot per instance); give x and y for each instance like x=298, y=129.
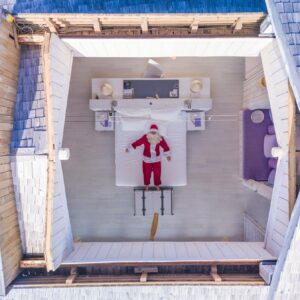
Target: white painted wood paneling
x=61, y=59
x=278, y=217
x=170, y=47
x=285, y=281
x=254, y=96
x=277, y=84
x=30, y=186
x=253, y=232
x=116, y=252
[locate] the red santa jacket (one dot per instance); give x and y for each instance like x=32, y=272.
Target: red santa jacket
x=147, y=150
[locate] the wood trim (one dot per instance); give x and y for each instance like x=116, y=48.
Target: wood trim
x=152, y=279
x=214, y=274
x=32, y=263
x=155, y=264
x=146, y=25
x=292, y=178
x=51, y=154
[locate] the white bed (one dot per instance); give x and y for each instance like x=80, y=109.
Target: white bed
x=129, y=165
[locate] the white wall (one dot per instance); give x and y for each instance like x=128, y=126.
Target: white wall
x=30, y=185
x=61, y=59
x=277, y=83
x=279, y=211
x=254, y=96
x=167, y=47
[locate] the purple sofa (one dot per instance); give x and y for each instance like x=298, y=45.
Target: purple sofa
x=256, y=165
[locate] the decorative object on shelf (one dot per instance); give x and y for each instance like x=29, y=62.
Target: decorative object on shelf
x=106, y=89
x=257, y=116
x=104, y=121
x=196, y=86
x=64, y=154
x=262, y=83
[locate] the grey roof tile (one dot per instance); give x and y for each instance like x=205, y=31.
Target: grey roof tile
x=29, y=116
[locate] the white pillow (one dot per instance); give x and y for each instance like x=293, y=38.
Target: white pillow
x=134, y=112
x=133, y=124
x=165, y=114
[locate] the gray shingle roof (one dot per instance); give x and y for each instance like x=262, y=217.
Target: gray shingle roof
x=285, y=17
x=29, y=131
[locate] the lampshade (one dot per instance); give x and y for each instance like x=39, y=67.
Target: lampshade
x=106, y=89
x=196, y=86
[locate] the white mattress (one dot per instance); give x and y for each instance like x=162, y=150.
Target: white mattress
x=129, y=165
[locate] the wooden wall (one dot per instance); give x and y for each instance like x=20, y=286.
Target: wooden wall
x=10, y=244
x=179, y=47
x=277, y=83
x=253, y=95
x=59, y=64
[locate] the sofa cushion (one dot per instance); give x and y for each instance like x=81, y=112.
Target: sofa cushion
x=272, y=162
x=269, y=143
x=271, y=177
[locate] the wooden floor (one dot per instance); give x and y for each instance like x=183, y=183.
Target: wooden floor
x=209, y=208
x=164, y=252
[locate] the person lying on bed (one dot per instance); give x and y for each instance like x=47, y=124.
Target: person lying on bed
x=152, y=142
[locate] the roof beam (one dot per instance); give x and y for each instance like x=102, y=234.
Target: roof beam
x=214, y=274
x=237, y=25
x=144, y=25
x=97, y=25
x=51, y=25
x=195, y=24
x=292, y=159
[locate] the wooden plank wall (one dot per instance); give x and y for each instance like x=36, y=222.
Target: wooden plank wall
x=254, y=96
x=60, y=240
x=285, y=281
x=277, y=83
x=10, y=243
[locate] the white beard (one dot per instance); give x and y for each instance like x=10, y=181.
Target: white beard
x=154, y=139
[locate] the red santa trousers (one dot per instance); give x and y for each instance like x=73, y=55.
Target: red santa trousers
x=148, y=168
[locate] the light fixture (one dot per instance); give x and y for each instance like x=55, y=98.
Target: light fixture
x=196, y=86
x=262, y=83
x=106, y=89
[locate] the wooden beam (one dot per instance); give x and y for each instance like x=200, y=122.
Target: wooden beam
x=31, y=39
x=51, y=153
x=237, y=25
x=292, y=178
x=195, y=24
x=32, y=263
x=154, y=226
x=143, y=277
x=214, y=274
x=144, y=25
x=51, y=25
x=97, y=25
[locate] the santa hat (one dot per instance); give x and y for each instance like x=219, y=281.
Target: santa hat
x=154, y=128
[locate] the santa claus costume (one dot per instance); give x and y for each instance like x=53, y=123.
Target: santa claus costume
x=152, y=142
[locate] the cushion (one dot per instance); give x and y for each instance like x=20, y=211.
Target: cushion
x=271, y=129
x=272, y=163
x=269, y=143
x=133, y=124
x=271, y=177
x=165, y=114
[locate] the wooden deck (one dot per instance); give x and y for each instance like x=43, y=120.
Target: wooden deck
x=134, y=253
